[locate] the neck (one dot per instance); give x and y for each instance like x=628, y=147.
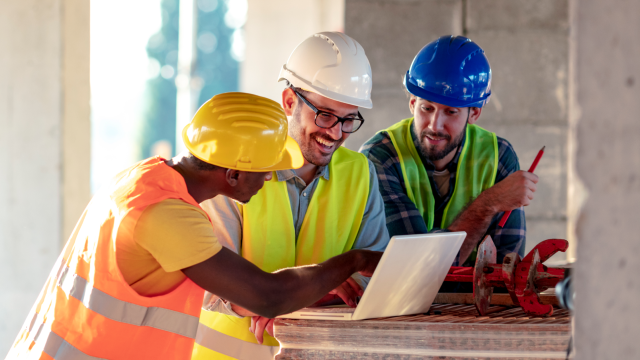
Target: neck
x=442, y=163
x=198, y=185
x=307, y=171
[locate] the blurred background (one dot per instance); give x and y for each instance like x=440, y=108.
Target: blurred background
x=88, y=88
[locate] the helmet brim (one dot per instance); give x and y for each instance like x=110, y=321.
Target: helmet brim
x=441, y=99
x=291, y=159
x=298, y=82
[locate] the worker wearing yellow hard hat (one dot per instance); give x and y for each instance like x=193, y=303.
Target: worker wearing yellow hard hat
x=130, y=281
x=329, y=205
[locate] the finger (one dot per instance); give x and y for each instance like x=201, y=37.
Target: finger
x=353, y=294
x=269, y=327
x=355, y=286
x=260, y=325
x=346, y=294
x=531, y=176
x=252, y=328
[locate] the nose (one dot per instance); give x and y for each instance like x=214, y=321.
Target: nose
x=268, y=176
x=335, y=132
x=436, y=123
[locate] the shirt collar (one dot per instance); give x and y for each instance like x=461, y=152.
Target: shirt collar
x=285, y=175
x=453, y=164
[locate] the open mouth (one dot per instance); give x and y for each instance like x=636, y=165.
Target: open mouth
x=324, y=144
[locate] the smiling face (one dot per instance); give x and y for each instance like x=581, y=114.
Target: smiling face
x=440, y=128
x=317, y=144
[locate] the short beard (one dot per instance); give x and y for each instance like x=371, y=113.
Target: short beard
x=433, y=155
x=304, y=141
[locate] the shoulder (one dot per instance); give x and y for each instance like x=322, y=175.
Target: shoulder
x=379, y=148
x=507, y=159
x=173, y=208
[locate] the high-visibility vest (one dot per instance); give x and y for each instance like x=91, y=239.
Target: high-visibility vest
x=86, y=309
x=476, y=172
x=329, y=228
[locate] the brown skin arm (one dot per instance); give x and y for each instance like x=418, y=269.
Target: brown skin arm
x=514, y=191
x=235, y=279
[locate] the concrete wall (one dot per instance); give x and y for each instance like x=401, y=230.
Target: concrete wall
x=44, y=116
x=273, y=29
x=606, y=105
x=527, y=45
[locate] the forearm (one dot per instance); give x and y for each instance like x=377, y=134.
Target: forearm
x=475, y=221
x=233, y=278
x=303, y=286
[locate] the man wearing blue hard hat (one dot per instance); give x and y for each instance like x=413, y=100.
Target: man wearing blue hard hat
x=438, y=169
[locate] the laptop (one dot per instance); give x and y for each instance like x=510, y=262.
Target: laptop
x=406, y=281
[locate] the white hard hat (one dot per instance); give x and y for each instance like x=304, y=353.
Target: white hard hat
x=333, y=65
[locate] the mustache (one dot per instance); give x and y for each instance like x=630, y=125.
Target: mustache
x=434, y=134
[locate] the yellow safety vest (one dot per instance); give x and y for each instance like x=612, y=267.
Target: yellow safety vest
x=329, y=228
x=476, y=172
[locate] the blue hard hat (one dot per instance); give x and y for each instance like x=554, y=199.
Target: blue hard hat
x=452, y=71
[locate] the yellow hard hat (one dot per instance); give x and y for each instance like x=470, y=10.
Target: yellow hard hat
x=243, y=132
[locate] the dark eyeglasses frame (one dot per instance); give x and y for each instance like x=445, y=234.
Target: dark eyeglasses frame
x=340, y=120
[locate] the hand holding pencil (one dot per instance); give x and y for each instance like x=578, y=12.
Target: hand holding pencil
x=531, y=170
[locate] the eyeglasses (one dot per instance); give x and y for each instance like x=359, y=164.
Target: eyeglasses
x=327, y=120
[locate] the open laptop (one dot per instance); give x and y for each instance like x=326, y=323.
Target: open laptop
x=405, y=282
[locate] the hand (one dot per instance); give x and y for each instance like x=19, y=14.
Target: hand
x=514, y=191
x=242, y=311
x=348, y=291
x=258, y=325
x=368, y=261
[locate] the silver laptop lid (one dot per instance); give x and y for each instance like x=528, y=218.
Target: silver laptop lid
x=409, y=275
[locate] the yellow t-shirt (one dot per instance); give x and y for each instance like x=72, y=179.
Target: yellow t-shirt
x=169, y=236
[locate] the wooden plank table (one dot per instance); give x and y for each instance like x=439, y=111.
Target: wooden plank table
x=448, y=331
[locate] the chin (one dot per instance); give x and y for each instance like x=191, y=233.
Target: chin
x=241, y=202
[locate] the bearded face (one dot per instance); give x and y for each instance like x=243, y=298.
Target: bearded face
x=440, y=128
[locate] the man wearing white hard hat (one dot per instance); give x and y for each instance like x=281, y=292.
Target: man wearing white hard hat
x=328, y=206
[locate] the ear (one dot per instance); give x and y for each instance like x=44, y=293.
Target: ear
x=232, y=177
x=474, y=114
x=412, y=104
x=288, y=101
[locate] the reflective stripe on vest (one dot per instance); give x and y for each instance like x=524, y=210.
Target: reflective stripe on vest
x=126, y=312
x=476, y=172
x=86, y=309
x=329, y=228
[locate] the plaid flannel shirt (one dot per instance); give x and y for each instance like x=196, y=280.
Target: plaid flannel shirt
x=402, y=215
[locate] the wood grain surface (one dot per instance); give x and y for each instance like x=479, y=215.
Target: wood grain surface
x=447, y=331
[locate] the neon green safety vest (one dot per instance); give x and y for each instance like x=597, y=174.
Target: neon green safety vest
x=329, y=228
x=477, y=167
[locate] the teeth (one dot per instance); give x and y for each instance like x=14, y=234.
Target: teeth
x=325, y=142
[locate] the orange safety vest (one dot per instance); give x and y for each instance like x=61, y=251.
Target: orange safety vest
x=86, y=310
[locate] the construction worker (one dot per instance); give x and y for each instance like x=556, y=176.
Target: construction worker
x=328, y=206
x=130, y=281
x=438, y=169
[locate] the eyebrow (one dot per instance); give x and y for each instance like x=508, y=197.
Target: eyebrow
x=330, y=110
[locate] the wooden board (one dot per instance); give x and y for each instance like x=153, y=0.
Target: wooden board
x=446, y=332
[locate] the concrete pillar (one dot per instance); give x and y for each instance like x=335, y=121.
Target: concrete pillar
x=606, y=104
x=273, y=29
x=44, y=142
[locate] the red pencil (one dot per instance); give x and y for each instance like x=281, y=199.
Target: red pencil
x=531, y=169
